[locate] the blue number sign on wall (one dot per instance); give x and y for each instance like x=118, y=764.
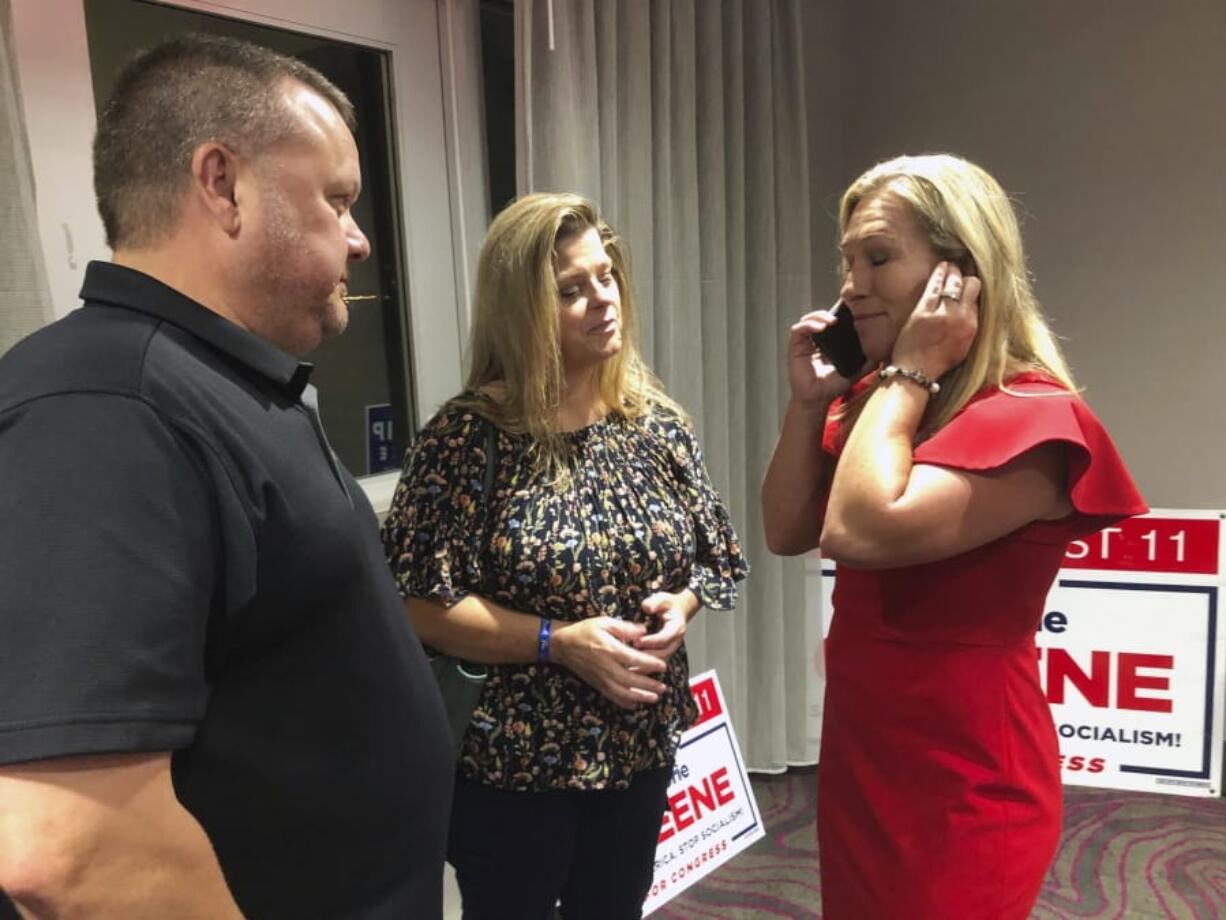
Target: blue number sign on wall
x=380, y=450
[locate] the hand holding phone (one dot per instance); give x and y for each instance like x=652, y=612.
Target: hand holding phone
x=840, y=344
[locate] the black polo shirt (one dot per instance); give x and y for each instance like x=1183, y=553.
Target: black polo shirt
x=185, y=566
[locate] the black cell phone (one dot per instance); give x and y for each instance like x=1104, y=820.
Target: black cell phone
x=840, y=344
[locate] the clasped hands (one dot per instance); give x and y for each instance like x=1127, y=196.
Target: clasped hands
x=620, y=658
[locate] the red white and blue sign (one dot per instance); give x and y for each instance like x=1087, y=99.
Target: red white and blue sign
x=1131, y=654
x=711, y=814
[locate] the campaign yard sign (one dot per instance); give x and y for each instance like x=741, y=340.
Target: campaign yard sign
x=711, y=814
x=1131, y=654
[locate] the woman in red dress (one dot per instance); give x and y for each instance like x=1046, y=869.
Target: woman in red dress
x=946, y=483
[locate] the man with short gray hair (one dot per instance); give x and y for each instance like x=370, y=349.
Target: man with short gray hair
x=211, y=702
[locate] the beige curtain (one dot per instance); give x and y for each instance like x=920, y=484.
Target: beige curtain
x=685, y=119
x=25, y=300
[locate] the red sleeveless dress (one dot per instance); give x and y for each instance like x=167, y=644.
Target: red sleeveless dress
x=939, y=782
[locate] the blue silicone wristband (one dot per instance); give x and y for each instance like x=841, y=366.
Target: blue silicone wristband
x=542, y=640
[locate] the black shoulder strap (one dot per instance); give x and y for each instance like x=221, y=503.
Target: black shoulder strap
x=491, y=456
x=491, y=468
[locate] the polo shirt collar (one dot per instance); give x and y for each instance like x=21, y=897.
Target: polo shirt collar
x=120, y=286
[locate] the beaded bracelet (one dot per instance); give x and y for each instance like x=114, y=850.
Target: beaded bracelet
x=893, y=370
x=542, y=640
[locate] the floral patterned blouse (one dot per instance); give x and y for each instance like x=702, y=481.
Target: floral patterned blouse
x=639, y=515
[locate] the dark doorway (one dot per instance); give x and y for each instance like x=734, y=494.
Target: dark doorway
x=498, y=79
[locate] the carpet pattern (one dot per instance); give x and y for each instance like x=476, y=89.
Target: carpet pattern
x=1122, y=856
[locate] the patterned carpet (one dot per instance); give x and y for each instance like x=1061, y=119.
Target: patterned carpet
x=1123, y=856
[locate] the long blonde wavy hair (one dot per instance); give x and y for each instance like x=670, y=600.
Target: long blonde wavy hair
x=969, y=220
x=514, y=350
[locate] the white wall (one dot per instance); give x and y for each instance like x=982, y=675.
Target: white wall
x=1107, y=120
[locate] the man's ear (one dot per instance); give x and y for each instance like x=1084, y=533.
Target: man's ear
x=214, y=184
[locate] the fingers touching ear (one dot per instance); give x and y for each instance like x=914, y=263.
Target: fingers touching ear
x=972, y=290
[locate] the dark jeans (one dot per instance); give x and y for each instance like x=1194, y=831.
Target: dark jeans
x=517, y=853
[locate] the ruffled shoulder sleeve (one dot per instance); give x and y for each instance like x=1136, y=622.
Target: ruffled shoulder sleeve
x=432, y=533
x=719, y=562
x=998, y=426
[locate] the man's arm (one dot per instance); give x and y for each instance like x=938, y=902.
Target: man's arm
x=105, y=836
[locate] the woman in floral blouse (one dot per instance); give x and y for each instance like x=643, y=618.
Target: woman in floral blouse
x=574, y=579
